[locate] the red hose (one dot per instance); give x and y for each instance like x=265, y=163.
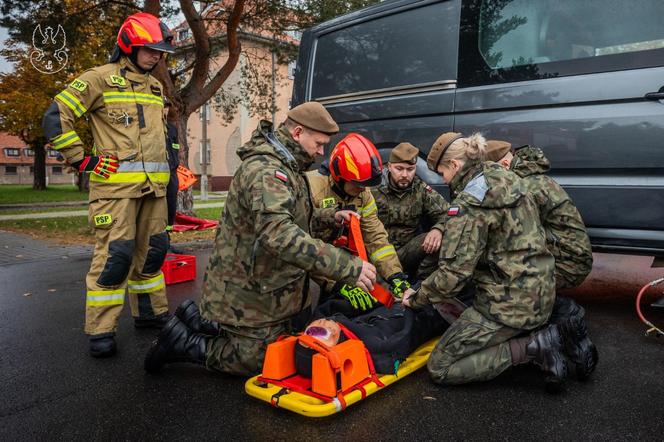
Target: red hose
x=653, y=328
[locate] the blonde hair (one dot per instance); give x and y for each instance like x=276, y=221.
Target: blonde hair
x=468, y=148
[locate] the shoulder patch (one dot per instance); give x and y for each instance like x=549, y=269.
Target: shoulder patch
x=79, y=85
x=477, y=187
x=453, y=211
x=328, y=202
x=120, y=81
x=281, y=176
x=428, y=188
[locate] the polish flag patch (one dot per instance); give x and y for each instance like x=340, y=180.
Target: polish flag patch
x=453, y=211
x=281, y=176
x=428, y=188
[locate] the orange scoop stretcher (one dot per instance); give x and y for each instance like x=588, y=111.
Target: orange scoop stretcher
x=354, y=243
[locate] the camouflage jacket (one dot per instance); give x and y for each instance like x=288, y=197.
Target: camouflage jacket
x=566, y=235
x=379, y=249
x=494, y=238
x=257, y=273
x=403, y=210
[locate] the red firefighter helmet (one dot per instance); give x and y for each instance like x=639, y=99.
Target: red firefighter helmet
x=356, y=159
x=144, y=29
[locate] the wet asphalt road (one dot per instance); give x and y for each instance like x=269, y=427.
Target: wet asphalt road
x=51, y=389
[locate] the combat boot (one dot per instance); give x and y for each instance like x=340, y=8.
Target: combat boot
x=190, y=315
x=102, y=345
x=570, y=318
x=176, y=343
x=152, y=321
x=544, y=349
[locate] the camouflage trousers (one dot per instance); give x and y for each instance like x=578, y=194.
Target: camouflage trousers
x=241, y=350
x=415, y=261
x=474, y=348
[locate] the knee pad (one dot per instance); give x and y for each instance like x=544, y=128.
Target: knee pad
x=156, y=253
x=118, y=262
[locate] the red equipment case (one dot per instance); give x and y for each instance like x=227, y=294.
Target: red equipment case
x=179, y=268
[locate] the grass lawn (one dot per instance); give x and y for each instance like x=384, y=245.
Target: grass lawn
x=17, y=194
x=75, y=230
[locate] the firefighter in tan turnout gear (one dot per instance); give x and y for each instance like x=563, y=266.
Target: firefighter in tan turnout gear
x=355, y=166
x=128, y=176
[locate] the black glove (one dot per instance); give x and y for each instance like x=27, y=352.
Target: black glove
x=102, y=166
x=398, y=284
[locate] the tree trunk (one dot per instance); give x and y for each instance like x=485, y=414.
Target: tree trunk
x=39, y=165
x=185, y=197
x=83, y=181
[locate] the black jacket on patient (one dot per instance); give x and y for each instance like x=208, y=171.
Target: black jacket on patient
x=390, y=335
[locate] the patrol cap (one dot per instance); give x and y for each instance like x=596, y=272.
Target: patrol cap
x=404, y=153
x=313, y=115
x=439, y=148
x=497, y=149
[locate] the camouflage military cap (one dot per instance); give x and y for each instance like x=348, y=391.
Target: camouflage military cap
x=404, y=153
x=439, y=147
x=497, y=149
x=313, y=115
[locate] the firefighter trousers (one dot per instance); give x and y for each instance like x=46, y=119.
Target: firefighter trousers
x=131, y=244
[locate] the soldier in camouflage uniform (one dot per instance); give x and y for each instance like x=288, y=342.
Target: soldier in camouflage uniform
x=566, y=239
x=404, y=201
x=355, y=166
x=257, y=277
x=493, y=239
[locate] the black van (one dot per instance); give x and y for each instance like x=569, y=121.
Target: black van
x=583, y=80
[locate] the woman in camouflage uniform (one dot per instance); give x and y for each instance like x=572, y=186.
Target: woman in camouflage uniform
x=493, y=239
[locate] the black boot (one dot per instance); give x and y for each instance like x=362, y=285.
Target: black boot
x=153, y=321
x=545, y=350
x=176, y=343
x=570, y=318
x=102, y=345
x=190, y=315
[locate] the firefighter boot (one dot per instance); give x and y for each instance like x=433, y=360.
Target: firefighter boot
x=190, y=315
x=544, y=349
x=176, y=343
x=102, y=345
x=570, y=318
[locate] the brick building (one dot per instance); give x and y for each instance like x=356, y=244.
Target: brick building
x=16, y=163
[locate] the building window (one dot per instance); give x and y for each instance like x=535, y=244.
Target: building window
x=11, y=170
x=183, y=34
x=32, y=170
x=29, y=152
x=52, y=153
x=57, y=170
x=12, y=152
x=291, y=69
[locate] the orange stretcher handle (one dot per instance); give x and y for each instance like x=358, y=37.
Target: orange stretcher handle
x=356, y=244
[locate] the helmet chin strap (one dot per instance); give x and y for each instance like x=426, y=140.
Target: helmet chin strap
x=134, y=59
x=339, y=189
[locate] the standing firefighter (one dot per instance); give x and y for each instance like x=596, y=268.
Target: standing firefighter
x=404, y=202
x=355, y=166
x=128, y=177
x=257, y=279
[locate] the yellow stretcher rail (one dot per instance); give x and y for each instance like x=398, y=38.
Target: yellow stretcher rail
x=312, y=407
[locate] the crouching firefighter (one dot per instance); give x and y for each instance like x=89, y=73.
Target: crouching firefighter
x=128, y=176
x=257, y=279
x=344, y=183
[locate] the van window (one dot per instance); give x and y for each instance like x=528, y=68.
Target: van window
x=405, y=48
x=512, y=40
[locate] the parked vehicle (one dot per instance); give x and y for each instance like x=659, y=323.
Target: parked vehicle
x=583, y=80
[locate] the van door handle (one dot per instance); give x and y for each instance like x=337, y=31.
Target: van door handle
x=659, y=95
